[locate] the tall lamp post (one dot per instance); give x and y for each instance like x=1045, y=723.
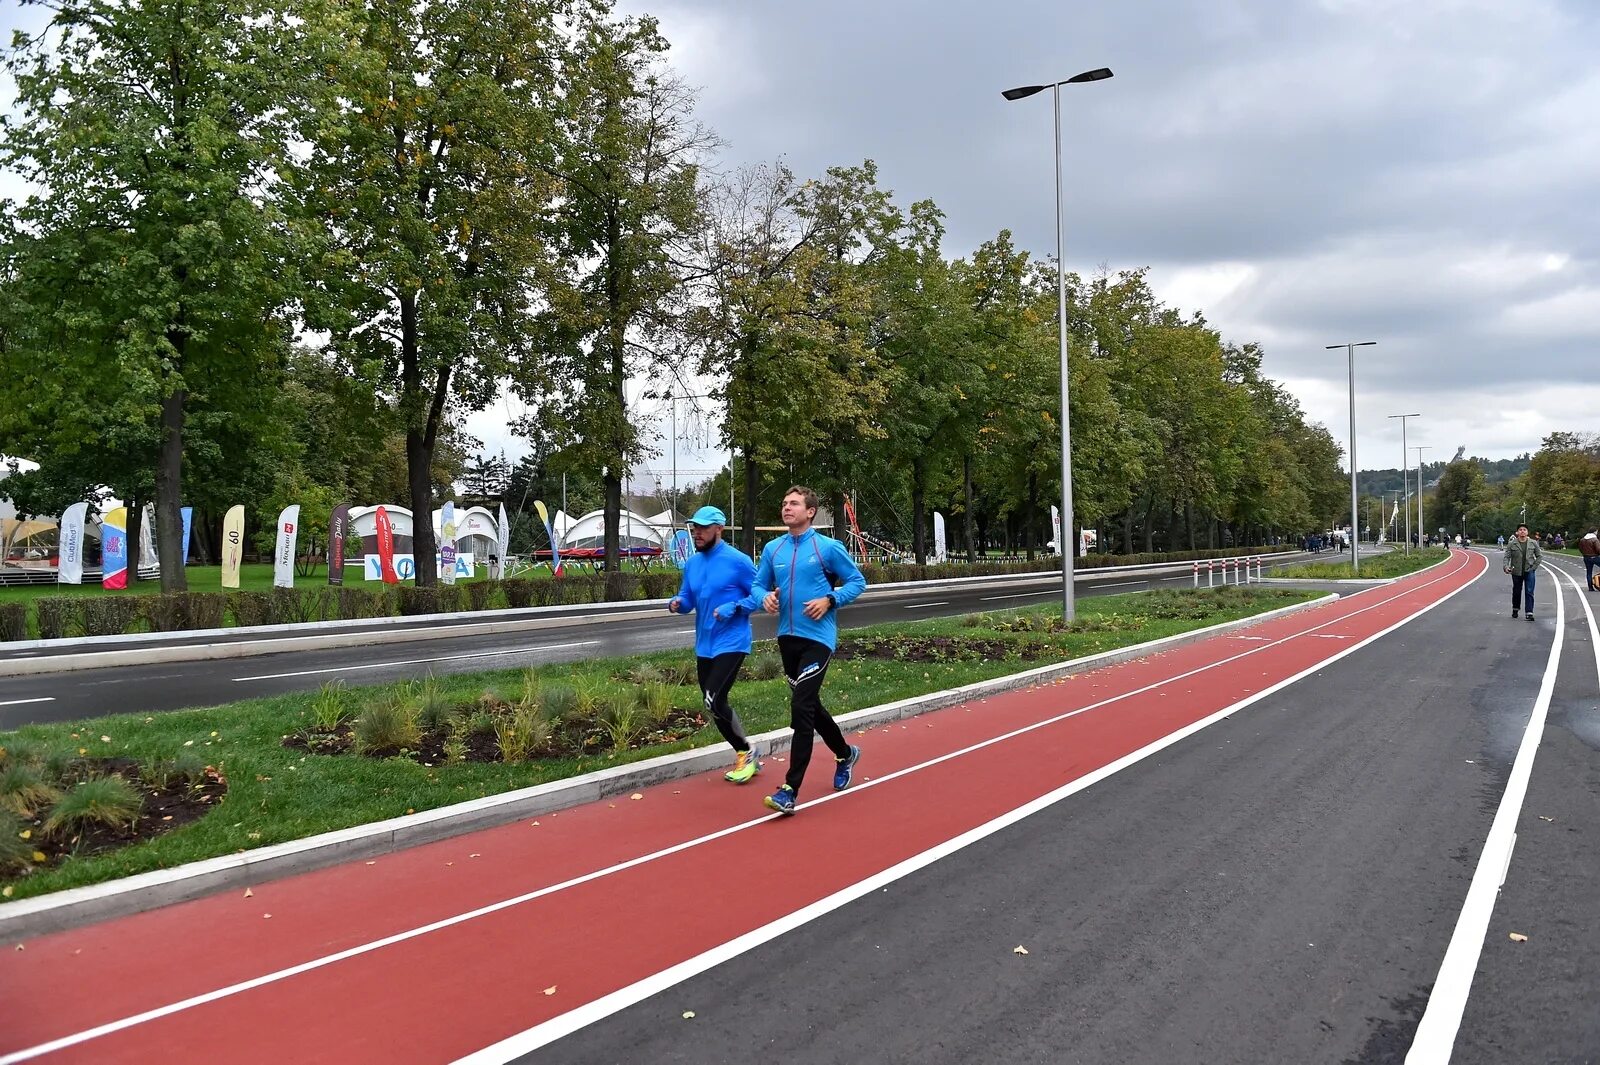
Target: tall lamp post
x=1405, y=477
x=1421, y=532
x=1099, y=74
x=1355, y=538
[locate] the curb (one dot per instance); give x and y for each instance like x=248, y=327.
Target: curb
x=74, y=907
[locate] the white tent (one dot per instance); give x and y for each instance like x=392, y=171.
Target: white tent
x=635, y=531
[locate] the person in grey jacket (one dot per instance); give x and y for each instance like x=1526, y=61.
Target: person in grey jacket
x=1522, y=562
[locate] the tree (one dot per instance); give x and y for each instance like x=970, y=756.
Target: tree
x=427, y=160
x=152, y=258
x=628, y=170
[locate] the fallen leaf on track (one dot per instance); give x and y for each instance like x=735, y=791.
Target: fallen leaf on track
x=248, y=893
x=636, y=796
x=688, y=1015
x=1542, y=817
x=1019, y=950
x=1518, y=937
x=550, y=990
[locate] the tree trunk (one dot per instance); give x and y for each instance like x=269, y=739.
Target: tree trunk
x=1149, y=526
x=747, y=523
x=1188, y=521
x=967, y=519
x=422, y=426
x=135, y=533
x=169, y=491
x=919, y=533
x=1031, y=515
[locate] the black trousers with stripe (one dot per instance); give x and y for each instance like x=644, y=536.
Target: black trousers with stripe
x=716, y=680
x=805, y=663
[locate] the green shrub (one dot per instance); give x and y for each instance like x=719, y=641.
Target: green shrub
x=659, y=584
x=479, y=723
x=524, y=734
x=111, y=615
x=181, y=611
x=450, y=597
x=619, y=586
x=480, y=594
x=15, y=852
x=106, y=801
x=386, y=727
x=24, y=789
x=60, y=617
x=330, y=706
x=188, y=767
x=185, y=769
x=358, y=603
x=251, y=609
x=519, y=592
x=13, y=621
x=418, y=601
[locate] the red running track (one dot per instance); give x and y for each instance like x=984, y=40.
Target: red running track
x=341, y=964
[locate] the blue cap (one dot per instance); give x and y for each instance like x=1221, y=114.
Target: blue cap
x=708, y=516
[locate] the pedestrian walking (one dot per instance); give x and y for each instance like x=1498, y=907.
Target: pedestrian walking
x=1522, y=562
x=804, y=578
x=1589, y=548
x=714, y=574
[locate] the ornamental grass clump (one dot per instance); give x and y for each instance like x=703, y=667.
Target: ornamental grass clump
x=330, y=707
x=655, y=701
x=387, y=727
x=622, y=722
x=108, y=802
x=560, y=701
x=434, y=709
x=15, y=852
x=24, y=789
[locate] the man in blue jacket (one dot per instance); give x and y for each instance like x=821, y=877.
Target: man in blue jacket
x=716, y=573
x=804, y=578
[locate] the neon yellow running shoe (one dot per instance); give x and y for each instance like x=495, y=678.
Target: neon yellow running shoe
x=746, y=767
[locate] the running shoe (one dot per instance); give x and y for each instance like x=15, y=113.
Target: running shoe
x=842, y=767
x=781, y=800
x=745, y=767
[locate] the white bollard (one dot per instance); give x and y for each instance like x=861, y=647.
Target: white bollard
x=1211, y=572
x=1197, y=574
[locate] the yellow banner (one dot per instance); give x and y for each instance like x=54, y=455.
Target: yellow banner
x=232, y=546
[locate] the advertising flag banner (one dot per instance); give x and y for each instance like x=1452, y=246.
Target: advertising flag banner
x=114, y=549
x=939, y=553
x=70, y=568
x=232, y=546
x=386, y=548
x=187, y=514
x=503, y=541
x=338, y=529
x=1055, y=525
x=283, y=557
x=147, y=538
x=447, y=543
x=682, y=548
x=555, y=553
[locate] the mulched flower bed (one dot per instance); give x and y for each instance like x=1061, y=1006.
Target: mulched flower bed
x=164, y=809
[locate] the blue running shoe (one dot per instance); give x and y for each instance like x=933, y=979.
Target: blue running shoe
x=781, y=800
x=842, y=767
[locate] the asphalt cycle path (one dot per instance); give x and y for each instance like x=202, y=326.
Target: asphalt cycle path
x=574, y=634
x=589, y=935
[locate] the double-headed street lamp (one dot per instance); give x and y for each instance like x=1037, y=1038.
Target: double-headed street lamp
x=1355, y=537
x=1066, y=532
x=1405, y=478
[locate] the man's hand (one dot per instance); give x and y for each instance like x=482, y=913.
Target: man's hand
x=1506, y=568
x=674, y=606
x=815, y=608
x=725, y=611
x=770, y=603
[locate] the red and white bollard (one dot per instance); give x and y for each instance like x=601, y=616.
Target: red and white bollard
x=1211, y=572
x=1197, y=574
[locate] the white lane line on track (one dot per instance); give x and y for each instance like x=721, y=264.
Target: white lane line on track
x=1441, y=1019
x=418, y=661
x=627, y=996
x=1123, y=584
x=21, y=702
x=924, y=606
x=1016, y=595
x=1594, y=631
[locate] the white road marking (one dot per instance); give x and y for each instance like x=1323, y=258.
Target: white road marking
x=416, y=661
x=555, y=1028
x=21, y=702
x=1123, y=584
x=1441, y=1020
x=924, y=606
x=1017, y=595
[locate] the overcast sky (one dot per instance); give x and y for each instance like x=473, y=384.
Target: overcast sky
x=1425, y=174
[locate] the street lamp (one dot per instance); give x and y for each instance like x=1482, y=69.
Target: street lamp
x=1098, y=74
x=1355, y=541
x=1405, y=475
x=1421, y=532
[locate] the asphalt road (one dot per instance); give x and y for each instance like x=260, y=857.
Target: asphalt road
x=1280, y=887
x=150, y=688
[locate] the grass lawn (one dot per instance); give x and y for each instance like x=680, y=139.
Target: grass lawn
x=1394, y=563
x=276, y=794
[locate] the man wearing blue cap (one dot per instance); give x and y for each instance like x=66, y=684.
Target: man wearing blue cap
x=716, y=573
x=804, y=578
